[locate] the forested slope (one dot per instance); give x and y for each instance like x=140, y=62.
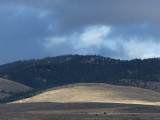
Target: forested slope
x=67, y=69
x=49, y=72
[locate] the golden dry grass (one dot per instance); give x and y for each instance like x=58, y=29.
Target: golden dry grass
x=97, y=92
x=11, y=86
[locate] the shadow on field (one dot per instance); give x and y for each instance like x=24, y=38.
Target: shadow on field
x=78, y=111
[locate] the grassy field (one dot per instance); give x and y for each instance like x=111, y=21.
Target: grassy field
x=97, y=92
x=78, y=111
x=10, y=86
x=86, y=101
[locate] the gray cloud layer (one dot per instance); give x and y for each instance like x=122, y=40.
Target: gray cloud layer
x=25, y=27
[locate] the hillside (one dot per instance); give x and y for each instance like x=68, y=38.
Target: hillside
x=97, y=92
x=42, y=74
x=61, y=70
x=8, y=88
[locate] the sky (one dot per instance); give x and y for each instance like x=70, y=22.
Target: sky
x=121, y=29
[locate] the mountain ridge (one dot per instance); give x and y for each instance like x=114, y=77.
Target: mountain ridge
x=106, y=70
x=50, y=72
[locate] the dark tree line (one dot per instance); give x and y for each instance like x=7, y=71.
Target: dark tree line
x=54, y=71
x=68, y=69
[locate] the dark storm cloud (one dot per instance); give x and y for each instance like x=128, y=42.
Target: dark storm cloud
x=26, y=26
x=22, y=33
x=21, y=23
x=75, y=14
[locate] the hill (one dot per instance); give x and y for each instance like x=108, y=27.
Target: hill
x=50, y=72
x=97, y=92
x=8, y=88
x=61, y=70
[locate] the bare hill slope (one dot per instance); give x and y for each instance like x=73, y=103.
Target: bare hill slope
x=7, y=87
x=97, y=92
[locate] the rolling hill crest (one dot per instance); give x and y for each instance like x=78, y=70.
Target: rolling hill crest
x=50, y=72
x=67, y=69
